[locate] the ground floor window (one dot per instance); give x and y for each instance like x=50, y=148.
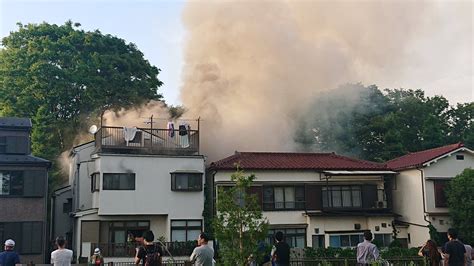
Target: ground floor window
x=126, y=231
x=295, y=237
x=383, y=240
x=346, y=240
x=185, y=230
x=318, y=241
x=27, y=235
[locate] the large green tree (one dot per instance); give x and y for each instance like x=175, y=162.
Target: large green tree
x=60, y=75
x=239, y=225
x=460, y=196
x=374, y=125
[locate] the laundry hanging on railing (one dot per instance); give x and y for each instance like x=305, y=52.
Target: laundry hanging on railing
x=183, y=135
x=170, y=129
x=129, y=133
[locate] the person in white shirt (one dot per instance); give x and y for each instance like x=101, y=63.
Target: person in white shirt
x=61, y=256
x=366, y=251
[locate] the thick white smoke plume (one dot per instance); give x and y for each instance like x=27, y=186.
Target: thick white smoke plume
x=251, y=67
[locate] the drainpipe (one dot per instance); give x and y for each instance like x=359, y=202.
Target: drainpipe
x=423, y=194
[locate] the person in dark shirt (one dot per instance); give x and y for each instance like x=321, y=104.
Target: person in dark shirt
x=454, y=250
x=149, y=250
x=9, y=257
x=280, y=251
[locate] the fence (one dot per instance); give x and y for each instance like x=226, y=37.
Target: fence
x=407, y=261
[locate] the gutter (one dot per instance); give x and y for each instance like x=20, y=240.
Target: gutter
x=423, y=195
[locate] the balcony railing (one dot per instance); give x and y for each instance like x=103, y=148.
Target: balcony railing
x=148, y=141
x=176, y=249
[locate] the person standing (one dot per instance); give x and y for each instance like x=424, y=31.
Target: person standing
x=150, y=253
x=9, y=257
x=61, y=256
x=367, y=251
x=280, y=251
x=97, y=258
x=430, y=251
x=469, y=254
x=454, y=250
x=202, y=255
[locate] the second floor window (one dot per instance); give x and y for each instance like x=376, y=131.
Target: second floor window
x=182, y=181
x=440, y=197
x=11, y=183
x=280, y=198
x=342, y=197
x=119, y=181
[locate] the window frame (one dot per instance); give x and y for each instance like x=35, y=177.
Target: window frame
x=186, y=228
x=21, y=176
x=440, y=200
x=95, y=182
x=197, y=175
x=299, y=200
x=350, y=236
x=327, y=196
x=383, y=239
x=287, y=236
x=104, y=175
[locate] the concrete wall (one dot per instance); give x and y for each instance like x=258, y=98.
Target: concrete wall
x=61, y=220
x=152, y=194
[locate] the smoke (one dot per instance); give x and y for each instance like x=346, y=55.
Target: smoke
x=139, y=116
x=253, y=67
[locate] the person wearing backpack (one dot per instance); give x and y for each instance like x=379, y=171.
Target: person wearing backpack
x=150, y=253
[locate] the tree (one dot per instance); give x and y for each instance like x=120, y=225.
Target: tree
x=460, y=197
x=61, y=75
x=239, y=225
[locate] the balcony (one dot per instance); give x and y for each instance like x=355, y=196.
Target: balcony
x=147, y=141
x=121, y=250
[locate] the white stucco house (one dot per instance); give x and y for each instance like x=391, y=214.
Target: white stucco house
x=316, y=199
x=130, y=180
x=418, y=194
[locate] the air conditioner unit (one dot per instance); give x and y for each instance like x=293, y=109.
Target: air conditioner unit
x=380, y=204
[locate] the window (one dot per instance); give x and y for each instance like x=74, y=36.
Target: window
x=11, y=183
x=440, y=197
x=3, y=144
x=121, y=231
x=295, y=237
x=342, y=197
x=460, y=157
x=186, y=181
x=95, y=182
x=67, y=206
x=283, y=198
x=318, y=241
x=349, y=240
x=185, y=230
x=27, y=235
x=383, y=240
x=122, y=181
x=14, y=145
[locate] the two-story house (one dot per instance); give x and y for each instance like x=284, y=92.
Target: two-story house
x=23, y=191
x=419, y=188
x=316, y=199
x=129, y=180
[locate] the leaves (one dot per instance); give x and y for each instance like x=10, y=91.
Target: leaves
x=239, y=225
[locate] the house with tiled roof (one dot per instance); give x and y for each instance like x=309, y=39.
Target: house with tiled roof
x=419, y=188
x=316, y=199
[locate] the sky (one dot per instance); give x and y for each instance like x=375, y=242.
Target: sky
x=156, y=27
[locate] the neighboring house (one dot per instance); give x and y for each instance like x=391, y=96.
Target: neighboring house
x=23, y=191
x=316, y=199
x=130, y=180
x=61, y=209
x=419, y=188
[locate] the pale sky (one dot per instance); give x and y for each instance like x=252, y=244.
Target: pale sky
x=156, y=27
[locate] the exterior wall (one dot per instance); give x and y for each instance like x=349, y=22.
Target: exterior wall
x=445, y=168
x=62, y=221
x=328, y=224
x=152, y=194
x=82, y=166
x=296, y=176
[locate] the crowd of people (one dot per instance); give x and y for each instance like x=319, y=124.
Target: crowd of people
x=453, y=253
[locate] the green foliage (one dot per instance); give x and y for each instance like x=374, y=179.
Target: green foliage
x=331, y=252
x=460, y=196
x=239, y=225
x=434, y=234
x=374, y=125
x=61, y=75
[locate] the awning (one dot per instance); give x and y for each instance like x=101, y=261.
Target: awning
x=359, y=172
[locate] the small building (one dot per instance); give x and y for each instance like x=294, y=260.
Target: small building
x=129, y=180
x=23, y=191
x=317, y=199
x=419, y=189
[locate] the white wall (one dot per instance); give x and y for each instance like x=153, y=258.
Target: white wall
x=81, y=167
x=152, y=194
